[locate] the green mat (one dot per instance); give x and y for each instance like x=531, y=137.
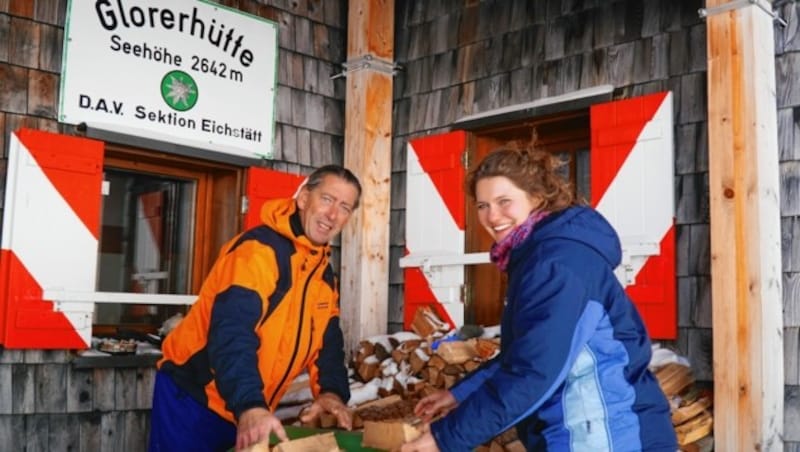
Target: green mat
x=348, y=441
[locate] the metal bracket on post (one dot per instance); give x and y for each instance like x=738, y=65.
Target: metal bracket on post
x=736, y=4
x=367, y=61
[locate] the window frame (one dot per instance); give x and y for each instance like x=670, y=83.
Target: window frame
x=218, y=188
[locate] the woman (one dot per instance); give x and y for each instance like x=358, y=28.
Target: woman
x=572, y=371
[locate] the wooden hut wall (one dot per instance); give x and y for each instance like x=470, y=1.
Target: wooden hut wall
x=787, y=73
x=47, y=402
x=462, y=57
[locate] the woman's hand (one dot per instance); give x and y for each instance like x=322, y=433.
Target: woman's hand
x=254, y=427
x=329, y=403
x=424, y=443
x=435, y=405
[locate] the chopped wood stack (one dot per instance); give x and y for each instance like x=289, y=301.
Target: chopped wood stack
x=393, y=372
x=691, y=407
x=400, y=369
x=411, y=367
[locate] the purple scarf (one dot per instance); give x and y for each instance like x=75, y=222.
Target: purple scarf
x=501, y=250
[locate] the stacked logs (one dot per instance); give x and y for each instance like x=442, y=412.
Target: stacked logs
x=403, y=368
x=411, y=369
x=393, y=372
x=690, y=407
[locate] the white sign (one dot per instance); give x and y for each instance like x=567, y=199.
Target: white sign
x=184, y=71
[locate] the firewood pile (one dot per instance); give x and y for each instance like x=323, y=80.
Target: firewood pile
x=400, y=369
x=394, y=372
x=391, y=373
x=691, y=407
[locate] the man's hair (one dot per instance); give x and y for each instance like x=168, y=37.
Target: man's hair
x=315, y=178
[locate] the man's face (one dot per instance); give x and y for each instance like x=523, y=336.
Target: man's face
x=325, y=209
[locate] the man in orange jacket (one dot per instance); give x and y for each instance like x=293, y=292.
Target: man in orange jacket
x=268, y=310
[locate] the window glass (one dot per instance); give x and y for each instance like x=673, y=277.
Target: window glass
x=145, y=243
x=583, y=175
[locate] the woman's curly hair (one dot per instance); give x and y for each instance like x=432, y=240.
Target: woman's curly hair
x=530, y=169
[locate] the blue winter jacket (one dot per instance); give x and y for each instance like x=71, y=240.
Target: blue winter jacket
x=572, y=372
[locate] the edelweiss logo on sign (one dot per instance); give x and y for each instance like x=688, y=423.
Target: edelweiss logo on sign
x=155, y=56
x=179, y=90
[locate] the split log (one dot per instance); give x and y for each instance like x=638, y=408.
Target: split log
x=695, y=429
x=426, y=322
x=368, y=368
x=437, y=362
x=684, y=413
x=388, y=435
x=456, y=352
x=325, y=442
x=674, y=378
x=418, y=359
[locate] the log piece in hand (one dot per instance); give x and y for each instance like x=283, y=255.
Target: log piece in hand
x=388, y=435
x=324, y=442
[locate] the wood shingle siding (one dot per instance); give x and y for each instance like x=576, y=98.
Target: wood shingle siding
x=790, y=188
x=24, y=43
x=694, y=302
x=49, y=404
x=42, y=93
x=13, y=96
x=791, y=419
x=789, y=133
x=791, y=366
x=788, y=68
x=50, y=11
x=6, y=389
x=5, y=24
x=50, y=56
x=49, y=387
x=80, y=387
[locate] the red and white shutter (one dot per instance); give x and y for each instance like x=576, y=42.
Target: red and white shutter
x=632, y=185
x=51, y=225
x=435, y=225
x=265, y=184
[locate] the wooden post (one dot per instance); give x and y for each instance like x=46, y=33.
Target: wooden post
x=745, y=229
x=368, y=153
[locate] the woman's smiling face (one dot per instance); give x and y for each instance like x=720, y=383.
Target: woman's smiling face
x=502, y=206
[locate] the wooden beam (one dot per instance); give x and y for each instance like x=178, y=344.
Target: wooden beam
x=368, y=153
x=745, y=229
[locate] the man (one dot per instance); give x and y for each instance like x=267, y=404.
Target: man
x=268, y=310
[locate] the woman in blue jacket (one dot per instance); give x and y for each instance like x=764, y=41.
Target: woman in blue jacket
x=572, y=371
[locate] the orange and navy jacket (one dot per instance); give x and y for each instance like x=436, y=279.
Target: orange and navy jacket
x=268, y=309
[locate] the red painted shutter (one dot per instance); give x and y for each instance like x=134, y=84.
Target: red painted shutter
x=632, y=184
x=265, y=184
x=435, y=224
x=51, y=223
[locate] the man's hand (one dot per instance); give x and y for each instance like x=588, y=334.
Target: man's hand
x=329, y=403
x=255, y=426
x=435, y=405
x=424, y=443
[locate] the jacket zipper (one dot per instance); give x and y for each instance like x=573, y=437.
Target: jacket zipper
x=299, y=336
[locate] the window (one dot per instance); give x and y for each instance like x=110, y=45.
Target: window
x=163, y=219
x=627, y=176
x=564, y=134
x=69, y=252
